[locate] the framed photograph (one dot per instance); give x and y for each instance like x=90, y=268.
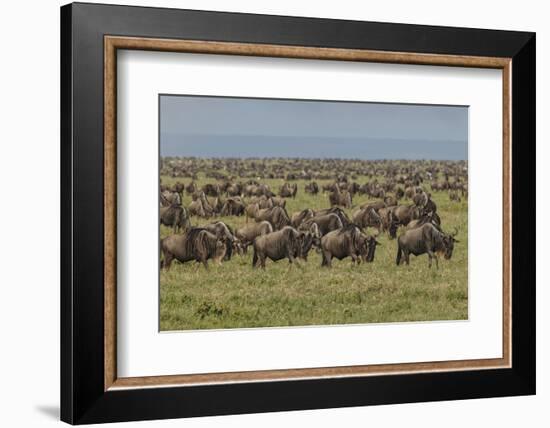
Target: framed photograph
x=266, y=213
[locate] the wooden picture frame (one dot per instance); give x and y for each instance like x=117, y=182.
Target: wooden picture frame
x=91, y=390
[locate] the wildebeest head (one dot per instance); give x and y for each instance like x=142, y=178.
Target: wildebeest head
x=371, y=244
x=449, y=244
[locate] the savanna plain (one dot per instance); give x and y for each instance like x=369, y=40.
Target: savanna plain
x=233, y=294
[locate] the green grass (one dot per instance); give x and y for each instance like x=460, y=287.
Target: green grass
x=234, y=295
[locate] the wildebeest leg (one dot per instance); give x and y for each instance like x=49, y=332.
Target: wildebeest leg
x=205, y=263
x=262, y=261
x=430, y=257
x=327, y=258
x=168, y=257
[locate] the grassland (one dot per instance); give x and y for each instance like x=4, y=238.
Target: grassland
x=234, y=295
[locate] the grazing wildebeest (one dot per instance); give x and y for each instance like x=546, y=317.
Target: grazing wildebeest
x=367, y=217
x=342, y=243
x=430, y=217
x=277, y=216
x=288, y=190
x=376, y=206
x=277, y=201
x=312, y=188
x=325, y=223
x=281, y=244
x=172, y=198
x=403, y=214
x=175, y=216
x=299, y=217
x=371, y=243
x=211, y=189
x=263, y=201
x=233, y=206
x=248, y=233
x=191, y=188
x=196, y=244
x=339, y=198
x=335, y=210
x=224, y=234
x=420, y=199
x=308, y=239
x=422, y=240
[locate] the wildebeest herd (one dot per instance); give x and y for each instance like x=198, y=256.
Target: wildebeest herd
x=399, y=203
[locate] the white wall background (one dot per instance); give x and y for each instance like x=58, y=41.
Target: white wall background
x=29, y=214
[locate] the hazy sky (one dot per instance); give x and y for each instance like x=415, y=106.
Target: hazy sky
x=251, y=127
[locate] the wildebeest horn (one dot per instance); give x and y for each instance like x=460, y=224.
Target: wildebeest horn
x=454, y=233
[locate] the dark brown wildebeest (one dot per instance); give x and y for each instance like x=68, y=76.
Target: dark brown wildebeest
x=248, y=233
x=371, y=243
x=191, y=188
x=342, y=243
x=425, y=239
x=201, y=207
x=299, y=217
x=420, y=199
x=178, y=187
x=430, y=217
x=325, y=223
x=403, y=214
x=211, y=189
x=376, y=206
x=224, y=234
x=196, y=244
x=367, y=217
x=233, y=206
x=278, y=201
x=335, y=210
x=288, y=190
x=281, y=244
x=175, y=216
x=312, y=188
x=234, y=189
x=339, y=198
x=173, y=198
x=277, y=216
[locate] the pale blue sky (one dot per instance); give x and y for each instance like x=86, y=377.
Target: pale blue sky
x=252, y=127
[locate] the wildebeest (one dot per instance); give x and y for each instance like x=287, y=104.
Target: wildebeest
x=284, y=243
x=425, y=239
x=277, y=216
x=248, y=233
x=201, y=207
x=168, y=198
x=335, y=210
x=175, y=216
x=340, y=198
x=299, y=217
x=211, y=189
x=233, y=206
x=403, y=214
x=288, y=190
x=367, y=217
x=325, y=223
x=342, y=243
x=312, y=188
x=196, y=244
x=224, y=234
